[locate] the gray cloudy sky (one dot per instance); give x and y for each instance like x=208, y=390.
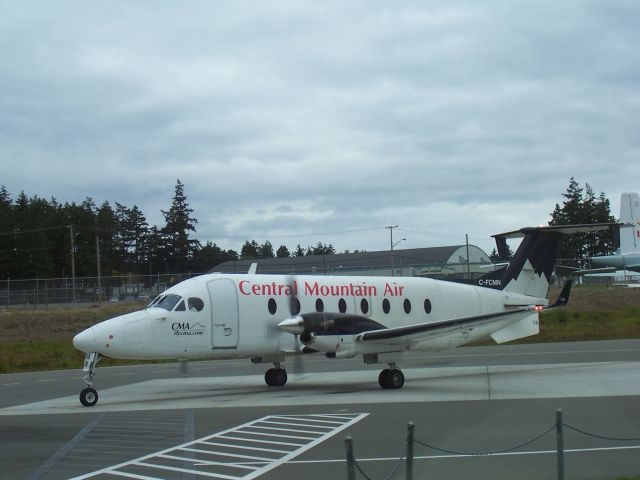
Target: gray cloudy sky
x=300, y=121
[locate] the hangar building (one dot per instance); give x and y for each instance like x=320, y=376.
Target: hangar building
x=449, y=262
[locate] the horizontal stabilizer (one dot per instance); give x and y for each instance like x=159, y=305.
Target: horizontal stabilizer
x=522, y=328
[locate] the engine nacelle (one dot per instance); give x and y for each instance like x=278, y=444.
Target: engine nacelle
x=343, y=346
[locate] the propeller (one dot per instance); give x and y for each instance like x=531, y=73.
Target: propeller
x=296, y=326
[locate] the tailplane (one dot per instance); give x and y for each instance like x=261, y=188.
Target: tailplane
x=529, y=271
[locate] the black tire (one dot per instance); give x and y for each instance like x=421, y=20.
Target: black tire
x=383, y=378
x=396, y=378
x=89, y=397
x=268, y=377
x=279, y=377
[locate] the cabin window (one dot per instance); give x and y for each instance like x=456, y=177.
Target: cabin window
x=180, y=307
x=407, y=305
x=168, y=302
x=364, y=306
x=272, y=306
x=342, y=305
x=386, y=306
x=195, y=304
x=294, y=305
x=427, y=305
x=319, y=305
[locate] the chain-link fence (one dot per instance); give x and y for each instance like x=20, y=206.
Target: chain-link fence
x=40, y=292
x=407, y=454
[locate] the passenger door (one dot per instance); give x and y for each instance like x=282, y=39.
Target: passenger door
x=224, y=313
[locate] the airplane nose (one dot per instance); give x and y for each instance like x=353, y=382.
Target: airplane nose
x=85, y=340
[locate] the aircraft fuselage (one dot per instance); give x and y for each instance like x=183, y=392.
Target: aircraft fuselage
x=223, y=316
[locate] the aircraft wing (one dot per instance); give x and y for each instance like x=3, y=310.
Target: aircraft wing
x=423, y=331
x=512, y=329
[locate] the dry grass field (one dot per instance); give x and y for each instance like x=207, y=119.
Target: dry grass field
x=40, y=339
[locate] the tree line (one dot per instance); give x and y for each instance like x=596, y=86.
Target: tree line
x=38, y=237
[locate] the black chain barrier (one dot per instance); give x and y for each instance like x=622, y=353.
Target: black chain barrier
x=602, y=437
x=395, y=468
x=494, y=452
x=557, y=427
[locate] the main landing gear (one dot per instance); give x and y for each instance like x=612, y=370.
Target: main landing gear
x=276, y=377
x=89, y=395
x=391, y=377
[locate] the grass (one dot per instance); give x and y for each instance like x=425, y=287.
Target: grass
x=40, y=339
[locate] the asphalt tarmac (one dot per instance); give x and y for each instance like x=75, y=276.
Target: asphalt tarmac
x=219, y=420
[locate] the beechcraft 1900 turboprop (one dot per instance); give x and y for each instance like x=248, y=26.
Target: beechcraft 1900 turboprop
x=269, y=317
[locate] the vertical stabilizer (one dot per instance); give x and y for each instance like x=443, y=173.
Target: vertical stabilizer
x=630, y=214
x=530, y=270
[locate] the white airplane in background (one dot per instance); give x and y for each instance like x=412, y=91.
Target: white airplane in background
x=628, y=255
x=269, y=317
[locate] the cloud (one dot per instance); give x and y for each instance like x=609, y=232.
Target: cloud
x=287, y=120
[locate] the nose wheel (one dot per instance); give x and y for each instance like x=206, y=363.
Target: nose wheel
x=89, y=395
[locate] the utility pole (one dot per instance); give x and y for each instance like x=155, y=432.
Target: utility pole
x=73, y=264
x=391, y=227
x=98, y=268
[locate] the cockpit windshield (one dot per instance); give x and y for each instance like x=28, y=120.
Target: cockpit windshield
x=165, y=301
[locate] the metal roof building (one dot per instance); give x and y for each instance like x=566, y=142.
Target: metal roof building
x=438, y=262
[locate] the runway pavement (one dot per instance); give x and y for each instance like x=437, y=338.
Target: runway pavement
x=156, y=423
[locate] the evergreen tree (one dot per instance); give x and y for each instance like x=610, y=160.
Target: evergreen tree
x=179, y=248
x=321, y=249
x=266, y=250
x=282, y=252
x=6, y=226
x=582, y=206
x=299, y=251
x=211, y=255
x=250, y=250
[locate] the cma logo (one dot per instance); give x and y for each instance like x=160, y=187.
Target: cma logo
x=185, y=328
x=490, y=283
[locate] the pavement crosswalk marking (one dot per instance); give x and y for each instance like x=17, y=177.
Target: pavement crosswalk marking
x=239, y=453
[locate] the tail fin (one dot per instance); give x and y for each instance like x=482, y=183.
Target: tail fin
x=529, y=272
x=630, y=214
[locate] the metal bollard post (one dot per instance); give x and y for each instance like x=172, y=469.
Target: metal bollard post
x=410, y=434
x=560, y=444
x=351, y=463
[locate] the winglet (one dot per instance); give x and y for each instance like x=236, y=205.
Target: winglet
x=563, y=298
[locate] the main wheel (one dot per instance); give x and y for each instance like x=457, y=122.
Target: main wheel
x=89, y=397
x=396, y=378
x=383, y=378
x=391, y=378
x=279, y=377
x=268, y=377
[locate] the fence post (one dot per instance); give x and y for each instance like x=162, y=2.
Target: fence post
x=560, y=444
x=410, y=434
x=351, y=463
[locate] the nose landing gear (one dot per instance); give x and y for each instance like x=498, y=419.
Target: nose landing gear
x=89, y=395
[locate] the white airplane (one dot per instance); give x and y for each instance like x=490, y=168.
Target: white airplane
x=628, y=255
x=269, y=317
